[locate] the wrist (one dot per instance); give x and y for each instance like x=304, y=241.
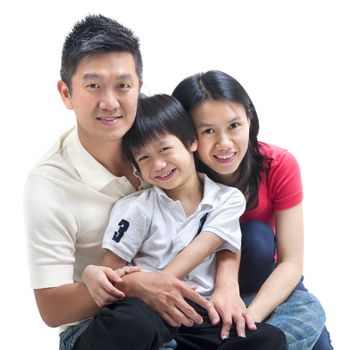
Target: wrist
x=227, y=284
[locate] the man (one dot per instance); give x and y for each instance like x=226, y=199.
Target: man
x=69, y=194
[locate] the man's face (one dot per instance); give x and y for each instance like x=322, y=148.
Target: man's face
x=104, y=93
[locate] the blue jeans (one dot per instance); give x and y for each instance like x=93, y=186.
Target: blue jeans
x=297, y=314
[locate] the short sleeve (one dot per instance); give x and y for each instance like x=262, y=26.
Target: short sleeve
x=126, y=229
x=223, y=220
x=284, y=181
x=50, y=227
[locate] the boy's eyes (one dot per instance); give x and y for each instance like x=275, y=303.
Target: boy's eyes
x=163, y=149
x=142, y=158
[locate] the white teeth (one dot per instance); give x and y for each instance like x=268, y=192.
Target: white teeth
x=226, y=156
x=165, y=174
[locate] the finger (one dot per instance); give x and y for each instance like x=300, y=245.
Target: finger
x=112, y=275
x=195, y=297
x=226, y=327
x=169, y=320
x=109, y=288
x=131, y=269
x=187, y=314
x=240, y=326
x=249, y=321
x=213, y=314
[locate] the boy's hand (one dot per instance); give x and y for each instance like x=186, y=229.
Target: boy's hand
x=101, y=281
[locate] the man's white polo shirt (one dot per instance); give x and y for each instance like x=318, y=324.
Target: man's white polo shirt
x=68, y=199
x=149, y=229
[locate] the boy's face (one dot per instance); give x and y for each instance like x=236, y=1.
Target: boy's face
x=165, y=162
x=104, y=93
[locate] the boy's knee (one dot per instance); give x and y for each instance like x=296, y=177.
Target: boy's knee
x=127, y=324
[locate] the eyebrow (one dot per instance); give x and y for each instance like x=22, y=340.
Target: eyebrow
x=92, y=76
x=208, y=125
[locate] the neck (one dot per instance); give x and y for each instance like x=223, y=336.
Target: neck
x=108, y=153
x=226, y=179
x=190, y=194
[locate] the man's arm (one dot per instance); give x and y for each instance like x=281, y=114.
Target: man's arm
x=65, y=304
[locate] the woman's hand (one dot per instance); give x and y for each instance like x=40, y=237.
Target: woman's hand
x=230, y=308
x=101, y=282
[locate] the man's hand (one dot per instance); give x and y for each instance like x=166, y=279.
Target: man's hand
x=101, y=281
x=230, y=308
x=166, y=295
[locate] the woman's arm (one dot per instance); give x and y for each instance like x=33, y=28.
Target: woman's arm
x=290, y=248
x=226, y=297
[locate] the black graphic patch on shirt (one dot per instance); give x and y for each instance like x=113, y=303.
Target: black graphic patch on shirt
x=123, y=227
x=202, y=222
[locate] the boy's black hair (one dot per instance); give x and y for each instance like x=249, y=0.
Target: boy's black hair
x=157, y=116
x=93, y=35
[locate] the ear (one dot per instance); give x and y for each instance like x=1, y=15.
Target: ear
x=194, y=145
x=65, y=95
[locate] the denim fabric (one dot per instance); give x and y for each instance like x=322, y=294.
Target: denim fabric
x=301, y=318
x=258, y=246
x=71, y=334
x=169, y=346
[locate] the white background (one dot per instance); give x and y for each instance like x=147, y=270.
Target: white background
x=291, y=56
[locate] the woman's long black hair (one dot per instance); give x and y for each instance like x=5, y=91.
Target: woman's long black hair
x=219, y=86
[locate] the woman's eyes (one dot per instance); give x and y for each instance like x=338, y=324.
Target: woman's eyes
x=234, y=125
x=208, y=131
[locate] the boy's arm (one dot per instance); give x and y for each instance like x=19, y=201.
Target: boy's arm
x=189, y=258
x=220, y=227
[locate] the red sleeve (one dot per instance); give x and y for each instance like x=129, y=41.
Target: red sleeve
x=284, y=181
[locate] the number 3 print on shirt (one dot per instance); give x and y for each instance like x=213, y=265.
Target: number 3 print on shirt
x=123, y=226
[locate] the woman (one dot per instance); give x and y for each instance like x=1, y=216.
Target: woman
x=270, y=276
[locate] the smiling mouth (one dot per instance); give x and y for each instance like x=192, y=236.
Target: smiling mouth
x=225, y=158
x=109, y=119
x=165, y=176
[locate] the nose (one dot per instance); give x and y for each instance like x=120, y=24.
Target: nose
x=223, y=142
x=109, y=101
x=159, y=164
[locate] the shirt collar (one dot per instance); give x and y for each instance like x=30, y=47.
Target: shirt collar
x=92, y=173
x=210, y=190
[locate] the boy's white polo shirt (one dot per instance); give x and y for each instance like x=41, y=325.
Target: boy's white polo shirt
x=68, y=199
x=149, y=229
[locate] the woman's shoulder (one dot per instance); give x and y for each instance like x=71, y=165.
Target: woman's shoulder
x=275, y=154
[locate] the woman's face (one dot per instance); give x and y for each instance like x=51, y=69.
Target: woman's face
x=223, y=136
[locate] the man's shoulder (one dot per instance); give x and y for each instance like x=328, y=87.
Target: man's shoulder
x=55, y=163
